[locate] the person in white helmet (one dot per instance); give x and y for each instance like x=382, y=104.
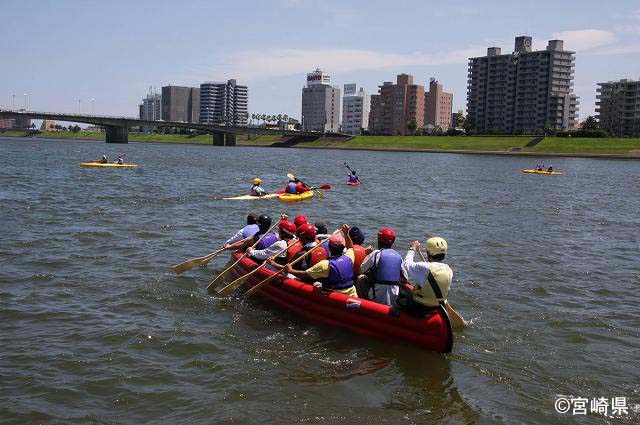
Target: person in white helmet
x=256, y=189
x=433, y=277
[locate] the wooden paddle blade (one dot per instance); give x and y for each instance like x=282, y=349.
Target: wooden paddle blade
x=230, y=288
x=186, y=265
x=257, y=287
x=457, y=321
x=216, y=282
x=210, y=257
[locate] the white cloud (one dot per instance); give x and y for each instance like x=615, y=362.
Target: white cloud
x=259, y=64
x=580, y=40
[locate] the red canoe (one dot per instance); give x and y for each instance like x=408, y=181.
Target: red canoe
x=356, y=314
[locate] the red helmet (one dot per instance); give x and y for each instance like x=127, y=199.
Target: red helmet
x=386, y=236
x=287, y=227
x=307, y=232
x=300, y=220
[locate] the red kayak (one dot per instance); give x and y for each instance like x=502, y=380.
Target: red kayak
x=353, y=183
x=364, y=317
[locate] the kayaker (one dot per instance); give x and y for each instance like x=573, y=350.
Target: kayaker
x=335, y=273
x=291, y=187
x=249, y=230
x=103, y=160
x=359, y=251
x=433, y=277
x=264, y=223
x=539, y=167
x=353, y=178
x=550, y=169
x=307, y=235
x=382, y=271
x=256, y=189
x=301, y=186
x=120, y=160
x=287, y=233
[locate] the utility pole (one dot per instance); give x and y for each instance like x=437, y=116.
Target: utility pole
x=25, y=101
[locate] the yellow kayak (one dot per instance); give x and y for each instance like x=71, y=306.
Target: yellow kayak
x=290, y=197
x=553, y=173
x=98, y=164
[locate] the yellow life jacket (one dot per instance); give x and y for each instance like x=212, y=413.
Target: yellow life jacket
x=442, y=275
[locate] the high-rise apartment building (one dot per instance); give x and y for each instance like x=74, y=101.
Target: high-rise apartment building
x=180, y=103
x=224, y=103
x=151, y=109
x=396, y=106
x=438, y=106
x=618, y=107
x=320, y=103
x=355, y=110
x=524, y=91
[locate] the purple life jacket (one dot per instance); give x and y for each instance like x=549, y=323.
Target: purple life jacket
x=291, y=188
x=249, y=230
x=268, y=240
x=389, y=267
x=340, y=272
x=353, y=178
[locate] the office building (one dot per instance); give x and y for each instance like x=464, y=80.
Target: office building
x=180, y=103
x=355, y=110
x=438, y=106
x=458, y=119
x=151, y=109
x=522, y=92
x=396, y=107
x=224, y=103
x=618, y=107
x=320, y=103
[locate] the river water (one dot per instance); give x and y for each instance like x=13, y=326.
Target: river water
x=96, y=328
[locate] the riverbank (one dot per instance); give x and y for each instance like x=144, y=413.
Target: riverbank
x=622, y=148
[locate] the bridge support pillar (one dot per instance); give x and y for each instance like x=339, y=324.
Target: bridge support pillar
x=218, y=139
x=230, y=139
x=117, y=134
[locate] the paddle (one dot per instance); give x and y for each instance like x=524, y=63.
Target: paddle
x=348, y=168
x=239, y=281
x=218, y=280
x=257, y=287
x=457, y=321
x=194, y=262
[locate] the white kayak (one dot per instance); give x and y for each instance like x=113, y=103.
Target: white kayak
x=253, y=198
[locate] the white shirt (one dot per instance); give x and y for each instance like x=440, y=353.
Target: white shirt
x=263, y=254
x=235, y=238
x=419, y=272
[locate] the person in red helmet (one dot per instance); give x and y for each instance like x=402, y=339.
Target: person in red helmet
x=287, y=234
x=382, y=271
x=300, y=220
x=307, y=234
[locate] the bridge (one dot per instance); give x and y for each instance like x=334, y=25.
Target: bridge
x=117, y=128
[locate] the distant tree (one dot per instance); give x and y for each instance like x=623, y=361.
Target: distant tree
x=589, y=124
x=75, y=128
x=412, y=126
x=297, y=126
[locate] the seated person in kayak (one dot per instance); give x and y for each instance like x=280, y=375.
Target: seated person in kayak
x=539, y=167
x=256, y=189
x=335, y=273
x=103, y=160
x=433, y=277
x=301, y=186
x=249, y=230
x=120, y=160
x=307, y=234
x=382, y=271
x=287, y=234
x=550, y=169
x=266, y=238
x=291, y=187
x=353, y=178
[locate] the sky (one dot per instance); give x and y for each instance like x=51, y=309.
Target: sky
x=64, y=53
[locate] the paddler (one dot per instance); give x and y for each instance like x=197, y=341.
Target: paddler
x=307, y=234
x=120, y=160
x=287, y=233
x=264, y=223
x=256, y=189
x=550, y=169
x=291, y=187
x=335, y=273
x=249, y=230
x=433, y=277
x=353, y=178
x=359, y=251
x=103, y=160
x=300, y=220
x=301, y=186
x=382, y=271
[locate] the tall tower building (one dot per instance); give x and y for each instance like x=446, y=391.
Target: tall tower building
x=618, y=107
x=224, y=103
x=438, y=106
x=180, y=103
x=396, y=106
x=524, y=91
x=355, y=110
x=320, y=103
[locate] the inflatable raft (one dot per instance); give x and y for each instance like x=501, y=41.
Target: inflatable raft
x=296, y=197
x=108, y=164
x=363, y=317
x=553, y=173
